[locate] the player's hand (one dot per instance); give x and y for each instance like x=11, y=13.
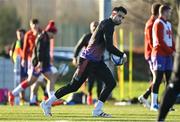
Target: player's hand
x=74, y=61
x=124, y=58
x=174, y=53
x=38, y=67
x=23, y=63
x=10, y=53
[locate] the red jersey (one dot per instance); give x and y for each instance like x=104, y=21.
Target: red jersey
x=29, y=44
x=148, y=37
x=163, y=43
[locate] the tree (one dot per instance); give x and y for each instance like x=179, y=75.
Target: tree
x=9, y=22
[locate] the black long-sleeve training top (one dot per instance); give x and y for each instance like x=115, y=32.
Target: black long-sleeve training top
x=41, y=52
x=83, y=42
x=101, y=39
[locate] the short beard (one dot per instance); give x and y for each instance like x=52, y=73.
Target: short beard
x=117, y=23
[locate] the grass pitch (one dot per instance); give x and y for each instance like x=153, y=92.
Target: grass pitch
x=82, y=113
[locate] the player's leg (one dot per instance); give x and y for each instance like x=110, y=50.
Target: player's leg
x=44, y=89
x=24, y=76
x=46, y=71
x=99, y=87
x=50, y=83
x=159, y=68
x=90, y=87
x=143, y=98
x=55, y=73
x=172, y=91
x=168, y=68
x=168, y=72
x=43, y=84
x=50, y=73
x=32, y=77
x=169, y=98
x=34, y=89
x=70, y=87
x=104, y=74
x=21, y=87
x=155, y=89
x=33, y=94
x=167, y=76
x=75, y=83
x=78, y=79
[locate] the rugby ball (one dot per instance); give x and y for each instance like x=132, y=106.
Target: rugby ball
x=118, y=60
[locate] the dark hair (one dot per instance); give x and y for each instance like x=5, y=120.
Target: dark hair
x=34, y=21
x=95, y=23
x=21, y=30
x=155, y=8
x=163, y=8
x=120, y=8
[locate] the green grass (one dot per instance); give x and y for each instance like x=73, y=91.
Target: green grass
x=138, y=88
x=82, y=113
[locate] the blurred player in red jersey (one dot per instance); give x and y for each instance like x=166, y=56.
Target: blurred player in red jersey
x=29, y=43
x=162, y=52
x=148, y=49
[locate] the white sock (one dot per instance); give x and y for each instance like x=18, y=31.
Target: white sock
x=98, y=106
x=16, y=100
x=50, y=93
x=33, y=98
x=51, y=100
x=17, y=90
x=154, y=97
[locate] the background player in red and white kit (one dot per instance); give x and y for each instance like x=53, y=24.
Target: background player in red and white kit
x=148, y=49
x=162, y=52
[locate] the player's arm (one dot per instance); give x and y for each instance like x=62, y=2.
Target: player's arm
x=108, y=37
x=39, y=51
x=159, y=29
x=149, y=35
x=81, y=43
x=11, y=52
x=25, y=47
x=39, y=48
x=24, y=50
x=12, y=49
x=173, y=42
x=51, y=50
